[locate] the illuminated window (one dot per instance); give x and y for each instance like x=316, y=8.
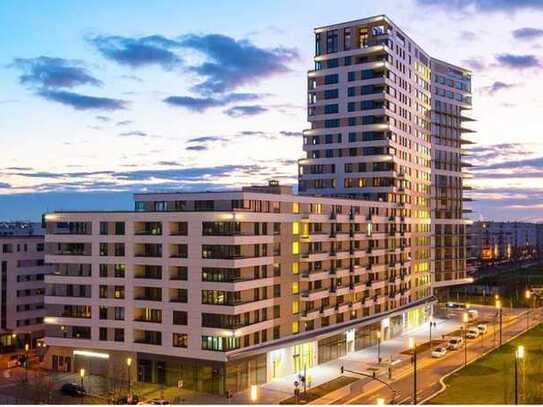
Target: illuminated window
x=295, y=287
x=295, y=327
x=295, y=268
x=295, y=247
x=295, y=228
x=295, y=307
x=295, y=207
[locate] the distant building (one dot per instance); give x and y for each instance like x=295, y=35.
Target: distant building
x=501, y=242
x=22, y=284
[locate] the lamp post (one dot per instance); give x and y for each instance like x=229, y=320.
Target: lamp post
x=378, y=346
x=528, y=295
x=413, y=347
x=128, y=365
x=519, y=355
x=82, y=375
x=465, y=319
x=27, y=348
x=432, y=324
x=499, y=307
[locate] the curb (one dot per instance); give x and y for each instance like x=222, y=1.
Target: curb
x=442, y=380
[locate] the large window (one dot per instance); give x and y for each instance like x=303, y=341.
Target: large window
x=220, y=344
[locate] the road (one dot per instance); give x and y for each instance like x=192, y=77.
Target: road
x=430, y=370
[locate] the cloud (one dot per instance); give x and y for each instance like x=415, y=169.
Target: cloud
x=474, y=63
x=467, y=35
x=206, y=139
x=201, y=104
x=53, y=73
x=4, y=185
x=168, y=163
x=123, y=123
x=484, y=5
x=527, y=33
x=82, y=102
x=134, y=133
x=138, y=52
x=497, y=87
x=291, y=133
x=103, y=118
x=513, y=61
x=242, y=111
x=196, y=148
x=232, y=63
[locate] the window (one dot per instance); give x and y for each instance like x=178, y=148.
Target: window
x=351, y=76
x=295, y=287
x=331, y=94
x=277, y=291
x=295, y=327
x=331, y=79
x=119, y=335
x=295, y=307
x=332, y=41
x=295, y=247
x=159, y=206
x=179, y=340
x=180, y=318
x=295, y=207
x=332, y=63
x=103, y=334
x=331, y=123
x=295, y=228
x=351, y=91
x=295, y=268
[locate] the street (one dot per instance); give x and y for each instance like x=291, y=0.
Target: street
x=430, y=370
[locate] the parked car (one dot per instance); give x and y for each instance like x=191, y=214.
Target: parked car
x=482, y=328
x=472, y=333
x=14, y=361
x=72, y=389
x=439, y=352
x=125, y=400
x=158, y=402
x=454, y=343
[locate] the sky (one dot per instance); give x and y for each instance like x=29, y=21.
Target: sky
x=100, y=99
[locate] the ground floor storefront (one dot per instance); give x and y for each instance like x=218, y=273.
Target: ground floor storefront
x=238, y=374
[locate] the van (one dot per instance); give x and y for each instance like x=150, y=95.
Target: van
x=482, y=328
x=454, y=343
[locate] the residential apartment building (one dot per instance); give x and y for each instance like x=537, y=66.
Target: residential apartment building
x=386, y=125
x=22, y=284
x=224, y=290
x=502, y=242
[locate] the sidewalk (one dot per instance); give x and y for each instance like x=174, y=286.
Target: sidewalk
x=362, y=361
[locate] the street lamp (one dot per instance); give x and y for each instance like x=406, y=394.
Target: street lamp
x=254, y=393
x=378, y=346
x=528, y=295
x=82, y=375
x=128, y=365
x=27, y=348
x=465, y=319
x=519, y=355
x=432, y=324
x=413, y=347
x=380, y=402
x=499, y=307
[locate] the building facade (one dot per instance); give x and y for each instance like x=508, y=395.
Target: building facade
x=224, y=290
x=22, y=284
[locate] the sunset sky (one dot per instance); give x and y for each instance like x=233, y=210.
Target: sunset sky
x=99, y=99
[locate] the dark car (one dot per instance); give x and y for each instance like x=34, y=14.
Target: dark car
x=72, y=389
x=125, y=400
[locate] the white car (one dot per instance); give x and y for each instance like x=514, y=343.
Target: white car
x=454, y=343
x=472, y=333
x=439, y=352
x=482, y=328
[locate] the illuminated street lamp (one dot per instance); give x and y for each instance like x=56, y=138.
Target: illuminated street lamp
x=378, y=346
x=413, y=347
x=254, y=393
x=27, y=348
x=499, y=307
x=82, y=375
x=519, y=355
x=465, y=319
x=528, y=296
x=380, y=402
x=128, y=365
